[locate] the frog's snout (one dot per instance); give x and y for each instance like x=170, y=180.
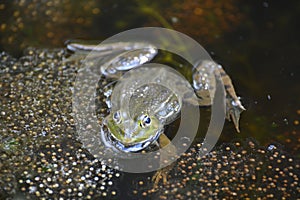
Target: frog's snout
x=130, y=127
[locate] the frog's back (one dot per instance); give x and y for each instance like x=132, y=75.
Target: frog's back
x=154, y=90
x=155, y=100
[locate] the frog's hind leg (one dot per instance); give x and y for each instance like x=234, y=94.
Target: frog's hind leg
x=205, y=76
x=234, y=107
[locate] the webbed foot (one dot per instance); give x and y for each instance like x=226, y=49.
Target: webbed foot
x=165, y=155
x=234, y=108
x=161, y=174
x=204, y=82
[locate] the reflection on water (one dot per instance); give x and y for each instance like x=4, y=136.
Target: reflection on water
x=259, y=49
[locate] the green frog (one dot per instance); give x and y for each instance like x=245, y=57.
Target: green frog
x=141, y=107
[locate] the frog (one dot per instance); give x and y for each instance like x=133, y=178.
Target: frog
x=139, y=110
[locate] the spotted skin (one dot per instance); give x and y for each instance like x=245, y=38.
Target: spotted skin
x=127, y=56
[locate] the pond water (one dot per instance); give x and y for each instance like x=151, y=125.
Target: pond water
x=257, y=43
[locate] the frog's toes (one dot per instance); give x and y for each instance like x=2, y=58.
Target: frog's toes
x=162, y=174
x=234, y=108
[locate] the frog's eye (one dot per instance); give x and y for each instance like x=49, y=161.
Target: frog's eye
x=145, y=121
x=117, y=117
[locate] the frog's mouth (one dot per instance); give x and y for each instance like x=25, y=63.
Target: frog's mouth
x=134, y=146
x=134, y=139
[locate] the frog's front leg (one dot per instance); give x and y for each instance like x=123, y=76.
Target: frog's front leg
x=162, y=174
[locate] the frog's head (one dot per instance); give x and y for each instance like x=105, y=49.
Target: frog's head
x=133, y=134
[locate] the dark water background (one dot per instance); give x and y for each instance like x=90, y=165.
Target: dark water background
x=256, y=41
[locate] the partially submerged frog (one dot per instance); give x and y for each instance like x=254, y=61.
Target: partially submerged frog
x=139, y=109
